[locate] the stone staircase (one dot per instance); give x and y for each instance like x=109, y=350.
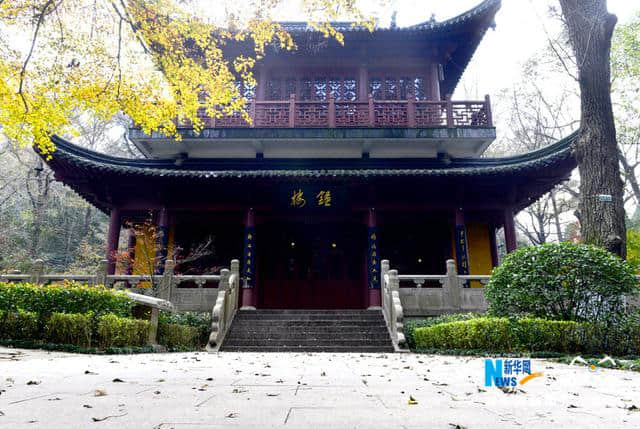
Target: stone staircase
x=360, y=331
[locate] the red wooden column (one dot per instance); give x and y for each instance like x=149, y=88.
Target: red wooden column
x=373, y=261
x=113, y=237
x=249, y=296
x=509, y=230
x=163, y=240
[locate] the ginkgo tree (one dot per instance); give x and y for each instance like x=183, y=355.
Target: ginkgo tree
x=157, y=61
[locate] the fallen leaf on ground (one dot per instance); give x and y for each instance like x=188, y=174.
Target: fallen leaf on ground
x=118, y=380
x=33, y=383
x=87, y=406
x=412, y=400
x=100, y=392
x=231, y=415
x=101, y=419
x=87, y=372
x=323, y=374
x=273, y=394
x=633, y=408
x=456, y=426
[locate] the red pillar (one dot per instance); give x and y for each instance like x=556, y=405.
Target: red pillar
x=373, y=261
x=249, y=296
x=163, y=240
x=509, y=230
x=112, y=239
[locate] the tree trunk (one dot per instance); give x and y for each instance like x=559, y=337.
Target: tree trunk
x=556, y=216
x=590, y=28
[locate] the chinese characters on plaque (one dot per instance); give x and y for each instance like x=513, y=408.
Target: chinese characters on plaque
x=373, y=265
x=462, y=257
x=300, y=198
x=249, y=259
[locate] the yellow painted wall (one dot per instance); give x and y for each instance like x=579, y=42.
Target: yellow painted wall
x=479, y=250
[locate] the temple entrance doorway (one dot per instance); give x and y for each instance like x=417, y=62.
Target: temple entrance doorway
x=311, y=265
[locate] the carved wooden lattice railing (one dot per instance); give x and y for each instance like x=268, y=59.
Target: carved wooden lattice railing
x=226, y=305
x=330, y=113
x=391, y=304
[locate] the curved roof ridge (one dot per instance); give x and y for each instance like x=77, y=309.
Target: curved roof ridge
x=75, y=154
x=458, y=18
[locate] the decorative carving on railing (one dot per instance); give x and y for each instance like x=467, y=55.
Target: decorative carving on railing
x=391, y=304
x=410, y=113
x=226, y=305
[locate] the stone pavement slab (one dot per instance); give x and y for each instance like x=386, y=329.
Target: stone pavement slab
x=276, y=390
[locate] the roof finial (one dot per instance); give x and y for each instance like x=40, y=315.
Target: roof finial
x=393, y=19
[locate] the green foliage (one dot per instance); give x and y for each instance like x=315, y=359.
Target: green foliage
x=178, y=337
x=562, y=281
x=37, y=344
x=63, y=328
x=18, y=325
x=68, y=297
x=200, y=321
x=493, y=334
x=633, y=249
x=411, y=325
x=114, y=331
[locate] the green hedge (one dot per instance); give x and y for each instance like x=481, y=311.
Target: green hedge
x=200, y=321
x=68, y=297
x=72, y=329
x=178, y=337
x=412, y=324
x=495, y=334
x=18, y=325
x=114, y=331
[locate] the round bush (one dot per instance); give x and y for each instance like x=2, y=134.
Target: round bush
x=562, y=281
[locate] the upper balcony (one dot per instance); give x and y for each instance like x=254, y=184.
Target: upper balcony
x=296, y=128
x=410, y=113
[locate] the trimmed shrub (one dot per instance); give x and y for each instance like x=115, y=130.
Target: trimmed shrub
x=492, y=334
x=114, y=331
x=67, y=297
x=550, y=335
x=411, y=325
x=200, y=321
x=63, y=328
x=482, y=333
x=178, y=337
x=18, y=325
x=562, y=281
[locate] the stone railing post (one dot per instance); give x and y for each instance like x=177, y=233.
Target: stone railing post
x=224, y=279
x=153, y=326
x=394, y=284
x=166, y=284
x=37, y=270
x=487, y=109
x=451, y=286
x=101, y=274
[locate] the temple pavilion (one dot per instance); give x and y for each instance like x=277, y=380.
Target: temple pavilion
x=356, y=153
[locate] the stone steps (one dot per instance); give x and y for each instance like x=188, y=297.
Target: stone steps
x=360, y=331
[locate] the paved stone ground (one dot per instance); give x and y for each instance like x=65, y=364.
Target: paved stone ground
x=200, y=390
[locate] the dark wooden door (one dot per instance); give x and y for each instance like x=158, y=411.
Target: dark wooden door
x=311, y=266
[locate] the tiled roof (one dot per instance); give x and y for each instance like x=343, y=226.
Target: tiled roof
x=69, y=156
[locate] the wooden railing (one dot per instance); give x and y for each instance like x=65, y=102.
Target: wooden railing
x=372, y=113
